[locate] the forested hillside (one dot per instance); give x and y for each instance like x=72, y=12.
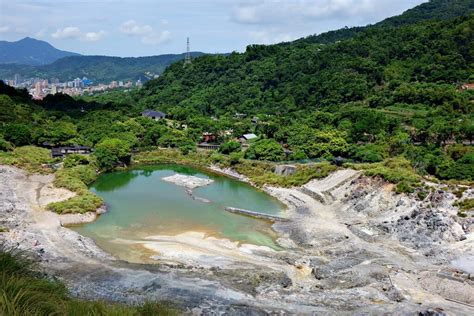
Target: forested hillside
x=389, y=96
x=96, y=68
x=432, y=10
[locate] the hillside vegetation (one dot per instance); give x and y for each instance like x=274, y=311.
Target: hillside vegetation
x=96, y=68
x=388, y=97
x=25, y=291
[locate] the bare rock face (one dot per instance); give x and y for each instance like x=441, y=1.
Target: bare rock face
x=285, y=170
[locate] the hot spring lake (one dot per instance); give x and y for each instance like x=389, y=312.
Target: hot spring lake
x=141, y=204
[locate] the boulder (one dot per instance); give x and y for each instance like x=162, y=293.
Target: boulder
x=285, y=170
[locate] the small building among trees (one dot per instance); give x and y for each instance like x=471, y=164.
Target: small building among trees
x=154, y=115
x=68, y=150
x=246, y=137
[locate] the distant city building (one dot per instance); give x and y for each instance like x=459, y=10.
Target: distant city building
x=17, y=80
x=38, y=90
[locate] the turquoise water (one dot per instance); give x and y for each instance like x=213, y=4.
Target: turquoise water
x=141, y=204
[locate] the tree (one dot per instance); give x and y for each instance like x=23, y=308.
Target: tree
x=18, y=134
x=111, y=152
x=230, y=147
x=4, y=145
x=265, y=149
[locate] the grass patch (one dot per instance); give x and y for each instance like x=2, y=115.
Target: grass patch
x=4, y=229
x=396, y=170
x=259, y=172
x=76, y=179
x=172, y=156
x=26, y=292
x=262, y=173
x=82, y=203
x=465, y=205
x=29, y=158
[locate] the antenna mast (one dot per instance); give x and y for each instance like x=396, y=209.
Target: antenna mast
x=187, y=58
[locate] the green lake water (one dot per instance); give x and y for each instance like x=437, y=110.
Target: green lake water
x=141, y=204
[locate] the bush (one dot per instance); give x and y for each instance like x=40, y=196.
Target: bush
x=75, y=160
x=465, y=205
x=462, y=169
x=369, y=153
x=30, y=158
x=265, y=149
x=298, y=155
x=111, y=152
x=230, y=147
x=5, y=145
x=235, y=157
x=396, y=170
x=216, y=157
x=23, y=291
x=76, y=179
x=18, y=134
x=84, y=202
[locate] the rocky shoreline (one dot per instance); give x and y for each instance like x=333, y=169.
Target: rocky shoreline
x=361, y=248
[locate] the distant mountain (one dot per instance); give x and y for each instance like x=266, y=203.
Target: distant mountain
x=96, y=68
x=30, y=51
x=432, y=10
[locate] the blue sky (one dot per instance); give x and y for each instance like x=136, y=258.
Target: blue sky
x=152, y=27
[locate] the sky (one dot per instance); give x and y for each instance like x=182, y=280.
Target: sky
x=153, y=27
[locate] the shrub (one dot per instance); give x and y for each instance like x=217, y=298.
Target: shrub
x=76, y=179
x=30, y=158
x=465, y=205
x=112, y=151
x=396, y=170
x=265, y=149
x=216, y=157
x=18, y=134
x=369, y=153
x=84, y=202
x=5, y=145
x=23, y=291
x=298, y=155
x=230, y=147
x=75, y=160
x=235, y=157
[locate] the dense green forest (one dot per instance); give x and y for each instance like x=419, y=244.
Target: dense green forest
x=390, y=95
x=96, y=68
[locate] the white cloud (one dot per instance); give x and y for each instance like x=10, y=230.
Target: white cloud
x=76, y=33
x=270, y=37
x=285, y=12
x=131, y=27
x=41, y=33
x=4, y=29
x=146, y=33
x=93, y=36
x=155, y=39
x=67, y=32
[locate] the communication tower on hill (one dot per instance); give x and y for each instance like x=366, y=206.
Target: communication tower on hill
x=187, y=58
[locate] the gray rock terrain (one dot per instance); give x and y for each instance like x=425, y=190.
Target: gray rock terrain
x=360, y=249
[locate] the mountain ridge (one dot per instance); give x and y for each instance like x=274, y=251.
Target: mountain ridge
x=98, y=68
x=30, y=51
